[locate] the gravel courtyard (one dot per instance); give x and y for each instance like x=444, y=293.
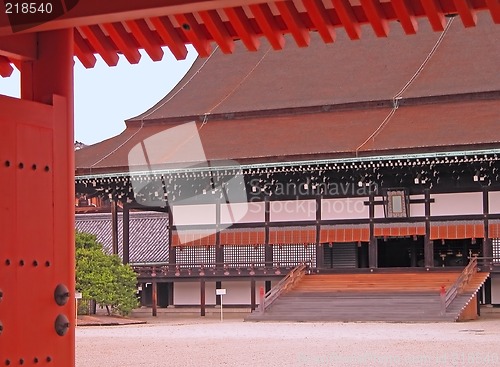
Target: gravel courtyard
x=209, y=342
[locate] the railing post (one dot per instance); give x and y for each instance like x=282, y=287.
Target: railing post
x=443, y=300
x=262, y=299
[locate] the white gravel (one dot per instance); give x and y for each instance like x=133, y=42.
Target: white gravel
x=237, y=343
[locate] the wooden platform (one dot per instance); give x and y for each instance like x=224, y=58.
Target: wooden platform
x=396, y=297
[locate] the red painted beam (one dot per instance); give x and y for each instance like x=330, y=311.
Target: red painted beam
x=169, y=35
x=83, y=51
x=494, y=8
x=466, y=12
x=376, y=17
x=243, y=28
x=348, y=19
x=124, y=40
x=6, y=68
x=293, y=21
x=318, y=15
x=21, y=47
x=267, y=24
x=194, y=33
x=218, y=30
x=91, y=12
x=147, y=38
x=406, y=15
x=435, y=14
x=101, y=43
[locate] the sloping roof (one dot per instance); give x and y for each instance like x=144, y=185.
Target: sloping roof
x=123, y=27
x=327, y=101
x=148, y=234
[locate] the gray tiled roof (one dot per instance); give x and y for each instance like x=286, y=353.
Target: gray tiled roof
x=148, y=234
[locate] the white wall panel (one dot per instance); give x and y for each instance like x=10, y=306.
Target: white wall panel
x=345, y=208
x=194, y=214
x=457, y=204
x=293, y=210
x=494, y=198
x=242, y=213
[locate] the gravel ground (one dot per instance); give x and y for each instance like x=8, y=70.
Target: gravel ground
x=209, y=342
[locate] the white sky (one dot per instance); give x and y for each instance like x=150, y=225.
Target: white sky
x=106, y=96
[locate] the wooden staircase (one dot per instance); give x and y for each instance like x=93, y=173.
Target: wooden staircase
x=395, y=297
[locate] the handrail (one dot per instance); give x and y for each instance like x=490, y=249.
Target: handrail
x=461, y=282
x=287, y=282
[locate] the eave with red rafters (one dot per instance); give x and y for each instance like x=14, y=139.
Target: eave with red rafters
x=111, y=28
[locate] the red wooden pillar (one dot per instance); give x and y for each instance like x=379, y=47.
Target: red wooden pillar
x=37, y=171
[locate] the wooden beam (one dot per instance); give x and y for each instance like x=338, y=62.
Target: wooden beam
x=293, y=21
x=154, y=285
x=253, y=303
x=6, y=68
x=83, y=51
x=405, y=15
x=428, y=244
x=494, y=8
x=243, y=28
x=319, y=17
x=218, y=30
x=466, y=12
x=171, y=249
x=372, y=246
x=169, y=35
x=101, y=43
x=126, y=234
x=147, y=38
x=114, y=226
x=124, y=40
x=375, y=14
x=435, y=14
x=194, y=33
x=202, y=297
x=267, y=23
x=348, y=19
x=89, y=12
x=21, y=47
x=320, y=261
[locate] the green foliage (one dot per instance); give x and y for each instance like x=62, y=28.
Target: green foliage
x=103, y=277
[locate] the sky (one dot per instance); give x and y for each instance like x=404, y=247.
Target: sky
x=106, y=96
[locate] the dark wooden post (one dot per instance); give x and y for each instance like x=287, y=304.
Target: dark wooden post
x=319, y=248
x=114, y=225
x=252, y=294
x=428, y=244
x=372, y=246
x=202, y=297
x=171, y=249
x=487, y=250
x=126, y=234
x=268, y=252
x=154, y=297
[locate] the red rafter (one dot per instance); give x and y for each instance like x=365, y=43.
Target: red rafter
x=170, y=36
x=124, y=41
x=101, y=44
x=494, y=7
x=348, y=19
x=6, y=68
x=435, y=14
x=218, y=30
x=466, y=12
x=376, y=17
x=147, y=38
x=295, y=25
x=405, y=15
x=194, y=33
x=265, y=19
x=320, y=19
x=241, y=25
x=83, y=51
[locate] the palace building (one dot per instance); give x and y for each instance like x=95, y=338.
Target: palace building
x=375, y=163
